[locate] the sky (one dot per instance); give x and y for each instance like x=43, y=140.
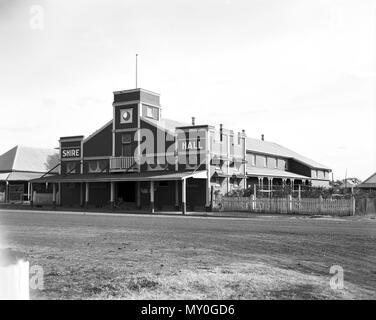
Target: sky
x=300, y=72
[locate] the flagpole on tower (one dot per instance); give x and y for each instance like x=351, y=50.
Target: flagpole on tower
x=136, y=69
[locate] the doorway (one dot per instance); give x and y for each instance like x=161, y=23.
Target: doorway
x=126, y=191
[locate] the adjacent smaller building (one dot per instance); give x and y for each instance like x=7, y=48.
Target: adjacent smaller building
x=18, y=166
x=349, y=183
x=369, y=183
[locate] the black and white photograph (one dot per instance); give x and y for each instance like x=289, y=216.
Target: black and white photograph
x=187, y=151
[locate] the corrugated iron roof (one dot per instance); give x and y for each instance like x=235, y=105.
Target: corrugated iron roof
x=164, y=123
x=273, y=148
x=4, y=176
x=23, y=176
x=26, y=159
x=265, y=172
x=369, y=182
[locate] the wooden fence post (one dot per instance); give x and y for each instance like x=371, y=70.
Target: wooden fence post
x=353, y=205
x=253, y=199
x=211, y=198
x=289, y=203
x=320, y=203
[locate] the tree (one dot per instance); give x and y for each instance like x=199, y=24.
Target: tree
x=52, y=161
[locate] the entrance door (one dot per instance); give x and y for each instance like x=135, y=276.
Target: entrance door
x=127, y=191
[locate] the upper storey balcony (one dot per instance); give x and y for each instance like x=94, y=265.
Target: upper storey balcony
x=124, y=164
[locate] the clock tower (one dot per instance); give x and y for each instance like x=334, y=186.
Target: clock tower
x=128, y=108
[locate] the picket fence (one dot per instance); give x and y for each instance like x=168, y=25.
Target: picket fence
x=338, y=207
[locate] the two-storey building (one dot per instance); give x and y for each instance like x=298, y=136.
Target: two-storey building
x=141, y=160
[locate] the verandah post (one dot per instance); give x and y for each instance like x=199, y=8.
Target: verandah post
x=112, y=195
x=31, y=192
x=152, y=196
x=54, y=195
x=176, y=194
x=86, y=195
x=183, y=196
x=138, y=194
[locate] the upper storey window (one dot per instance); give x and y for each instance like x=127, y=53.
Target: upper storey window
x=151, y=112
x=126, y=145
x=253, y=159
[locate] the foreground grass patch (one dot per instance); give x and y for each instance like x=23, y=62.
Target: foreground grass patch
x=136, y=257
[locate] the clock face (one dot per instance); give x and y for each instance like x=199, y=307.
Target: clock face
x=126, y=116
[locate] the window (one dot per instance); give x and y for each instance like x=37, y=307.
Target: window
x=163, y=183
x=253, y=159
x=265, y=161
x=126, y=138
x=71, y=167
x=276, y=163
x=149, y=112
x=126, y=150
x=126, y=146
x=96, y=166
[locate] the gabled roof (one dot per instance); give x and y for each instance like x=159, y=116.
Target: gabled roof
x=25, y=159
x=267, y=147
x=369, y=182
x=165, y=124
x=349, y=183
x=98, y=131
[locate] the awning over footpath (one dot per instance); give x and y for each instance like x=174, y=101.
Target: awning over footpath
x=275, y=173
x=221, y=174
x=4, y=176
x=20, y=176
x=108, y=177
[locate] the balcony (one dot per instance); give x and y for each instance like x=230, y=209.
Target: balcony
x=219, y=149
x=122, y=164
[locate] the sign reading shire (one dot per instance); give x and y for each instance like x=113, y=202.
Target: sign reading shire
x=74, y=152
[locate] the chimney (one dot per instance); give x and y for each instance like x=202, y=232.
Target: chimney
x=193, y=121
x=262, y=137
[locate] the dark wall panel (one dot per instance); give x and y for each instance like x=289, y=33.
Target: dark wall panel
x=100, y=144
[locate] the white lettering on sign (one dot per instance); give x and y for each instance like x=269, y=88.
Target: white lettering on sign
x=71, y=153
x=191, y=145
